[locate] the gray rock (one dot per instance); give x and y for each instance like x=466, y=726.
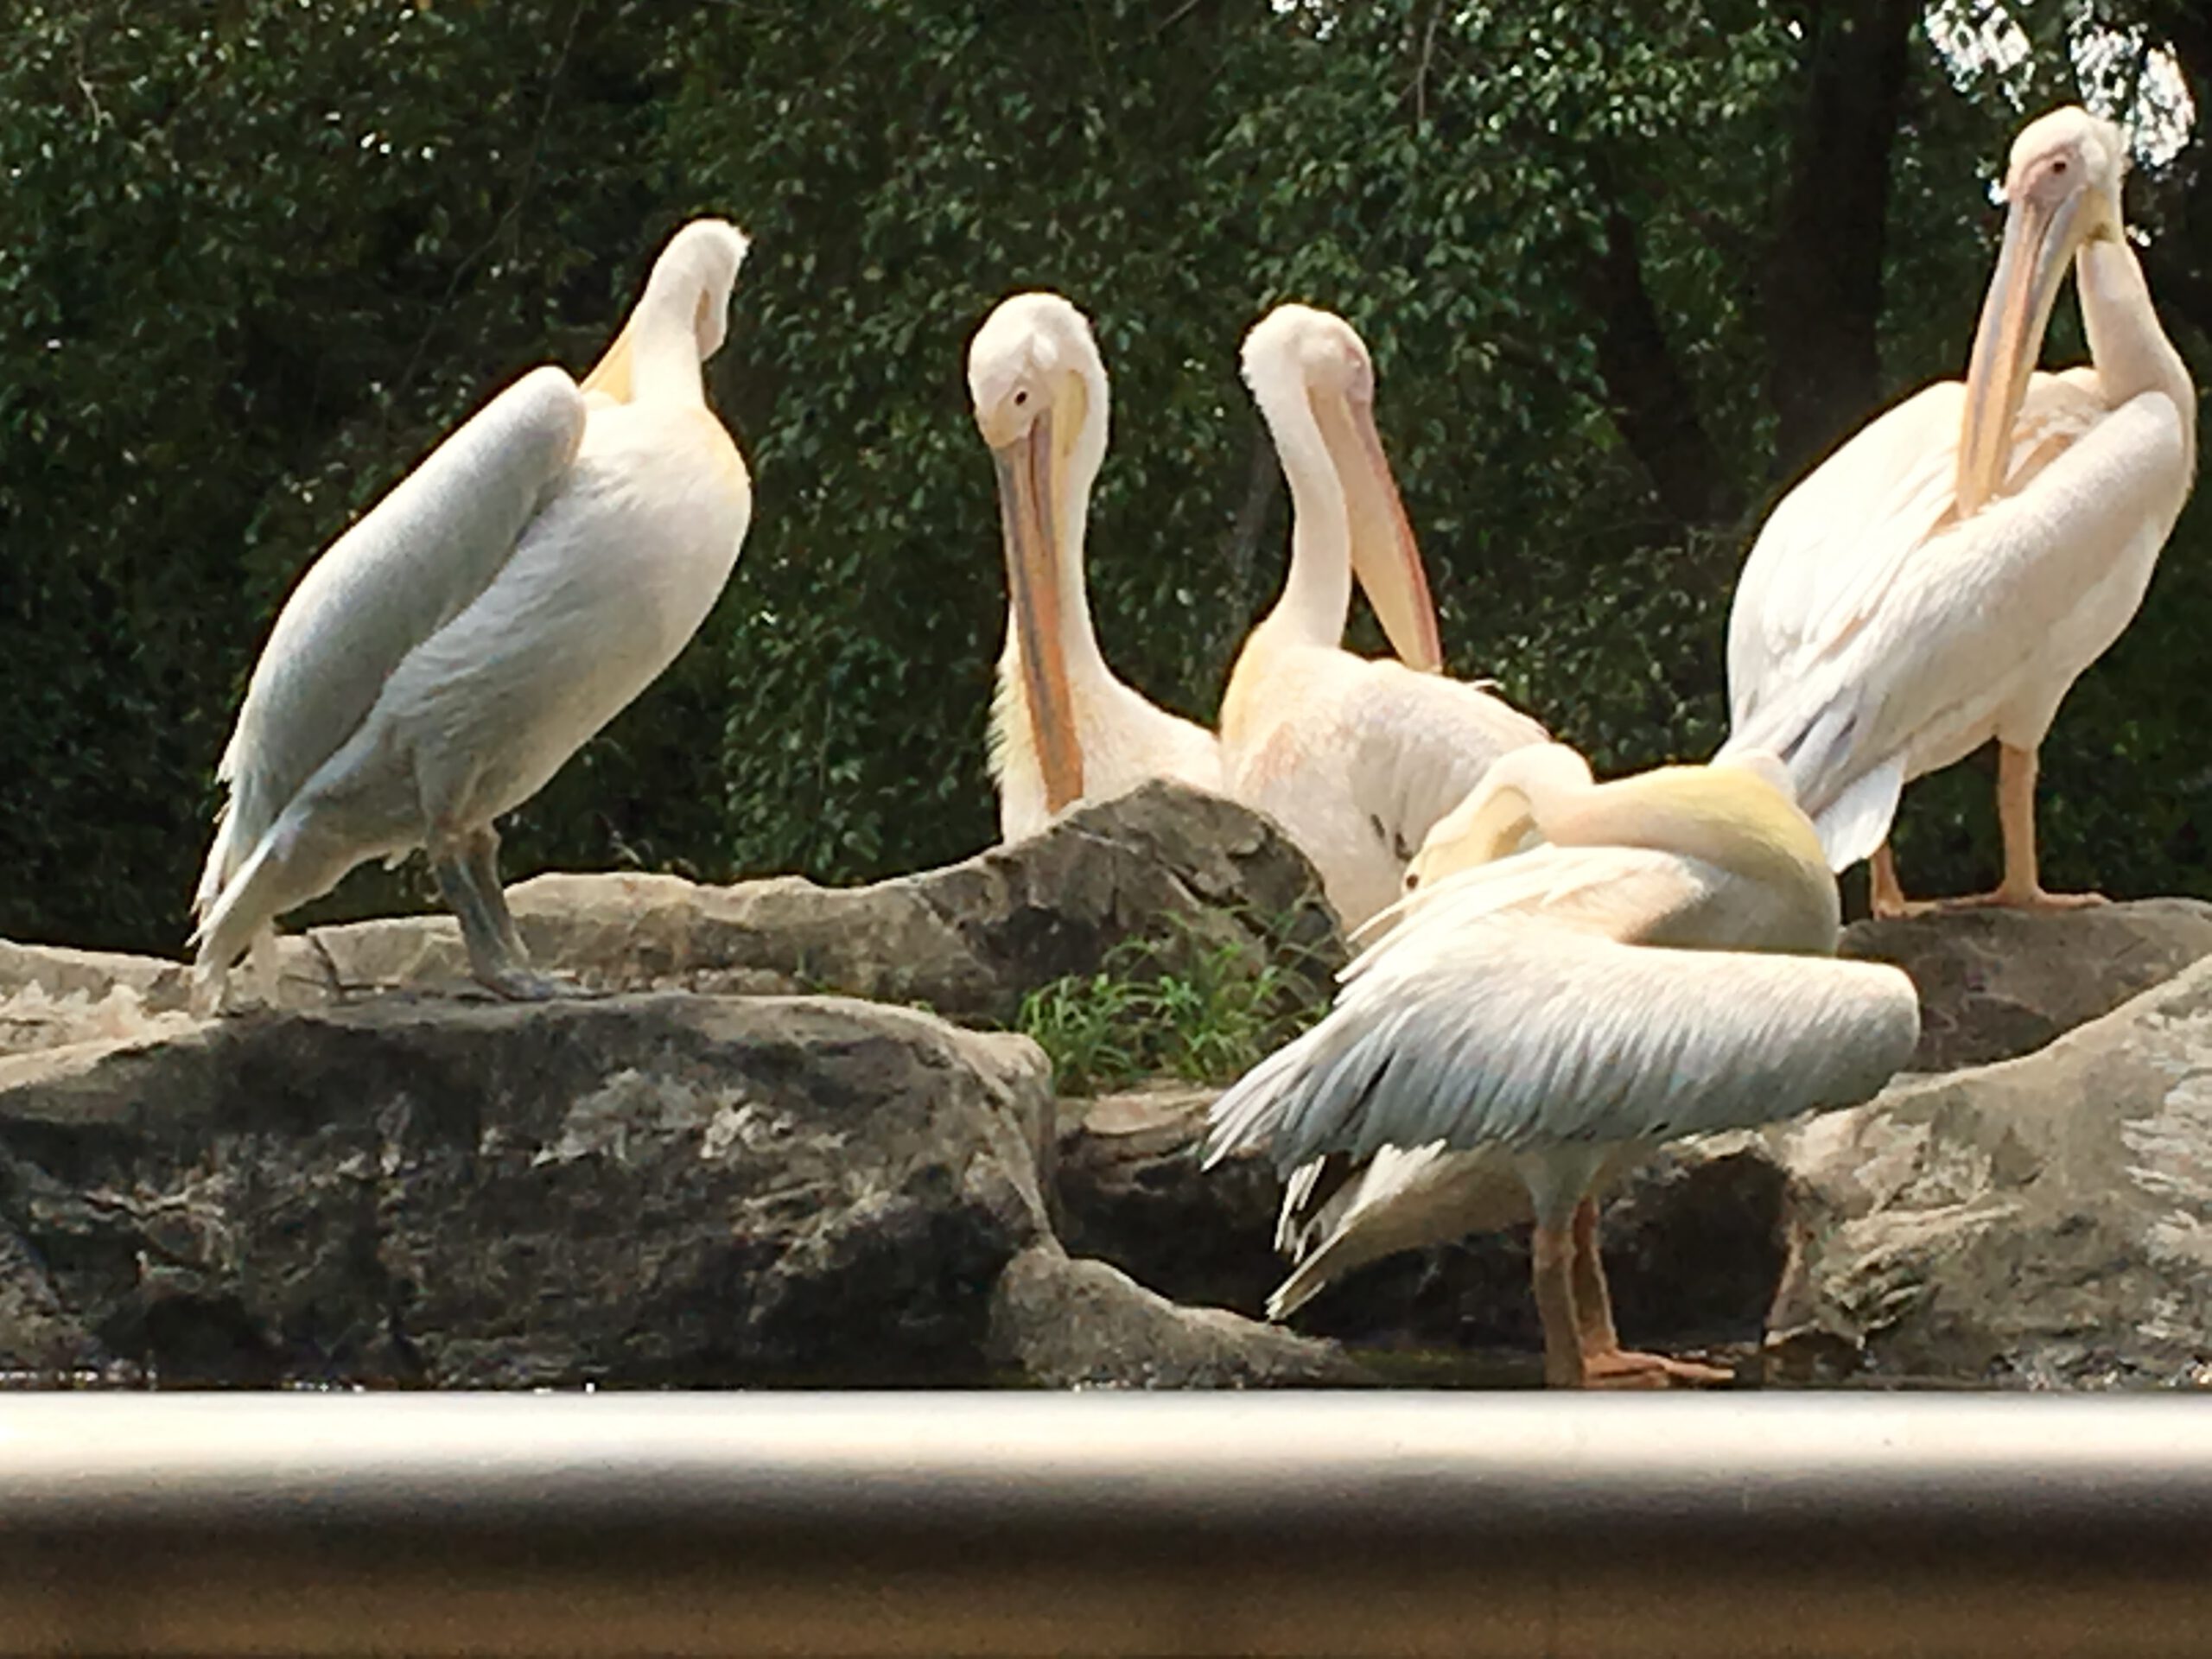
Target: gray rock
x=39, y=1341
x=60, y=972
x=1995, y=984
x=651, y=1190
x=1082, y=1324
x=969, y=941
x=52, y=996
x=2045, y=1222
x=1129, y=1190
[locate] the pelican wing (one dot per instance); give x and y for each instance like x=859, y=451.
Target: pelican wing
x=1870, y=619
x=1835, y=544
x=417, y=559
x=1414, y=744
x=1462, y=1031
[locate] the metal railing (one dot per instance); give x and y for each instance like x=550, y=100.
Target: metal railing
x=918, y=1524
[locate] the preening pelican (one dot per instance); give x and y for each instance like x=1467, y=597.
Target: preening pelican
x=1658, y=965
x=1944, y=577
x=1356, y=759
x=1064, y=729
x=504, y=600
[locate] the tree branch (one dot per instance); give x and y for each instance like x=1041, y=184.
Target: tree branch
x=1651, y=399
x=1427, y=57
x=1821, y=281
x=2175, y=263
x=1240, y=546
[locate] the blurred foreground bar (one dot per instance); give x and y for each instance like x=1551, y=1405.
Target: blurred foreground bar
x=918, y=1523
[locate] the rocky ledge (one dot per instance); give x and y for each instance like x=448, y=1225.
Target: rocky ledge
x=716, y=1176
x=387, y=1179
x=2042, y=1220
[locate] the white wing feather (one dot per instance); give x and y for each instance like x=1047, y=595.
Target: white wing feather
x=1833, y=545
x=415, y=562
x=1873, y=636
x=1369, y=755
x=1424, y=741
x=1503, y=1037
x=1402, y=1200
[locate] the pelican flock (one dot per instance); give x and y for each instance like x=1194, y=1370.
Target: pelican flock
x=446, y=654
x=1064, y=729
x=1948, y=574
x=1659, y=965
x=1557, y=975
x=1355, y=758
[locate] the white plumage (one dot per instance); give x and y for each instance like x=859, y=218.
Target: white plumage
x=1356, y=759
x=1658, y=968
x=446, y=655
x=1464, y=1031
x=1064, y=729
x=1943, y=579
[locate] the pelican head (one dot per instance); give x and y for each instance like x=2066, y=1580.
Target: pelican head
x=1502, y=815
x=1296, y=353
x=1041, y=401
x=689, y=285
x=2061, y=192
x=700, y=263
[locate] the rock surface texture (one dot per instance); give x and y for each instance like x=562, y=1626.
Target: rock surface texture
x=1130, y=1192
x=2043, y=1222
x=656, y=1188
x=969, y=941
x=51, y=997
x=1995, y=984
x=1077, y=1323
x=703, y=1180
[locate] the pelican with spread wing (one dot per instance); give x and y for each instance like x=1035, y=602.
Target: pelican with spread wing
x=446, y=655
x=1356, y=758
x=1064, y=729
x=1948, y=574
x=1657, y=963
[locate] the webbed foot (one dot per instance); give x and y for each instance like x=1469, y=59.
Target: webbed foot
x=1624, y=1369
x=2032, y=899
x=520, y=984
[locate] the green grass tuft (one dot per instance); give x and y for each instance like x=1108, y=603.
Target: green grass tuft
x=1174, y=1003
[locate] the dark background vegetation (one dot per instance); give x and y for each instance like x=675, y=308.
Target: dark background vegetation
x=1627, y=270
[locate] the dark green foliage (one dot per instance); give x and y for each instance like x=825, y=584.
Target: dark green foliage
x=262, y=254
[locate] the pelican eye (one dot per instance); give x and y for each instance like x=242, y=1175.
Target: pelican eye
x=1021, y=398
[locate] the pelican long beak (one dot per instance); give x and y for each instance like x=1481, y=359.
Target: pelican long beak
x=2039, y=244
x=610, y=376
x=1385, y=558
x=1028, y=516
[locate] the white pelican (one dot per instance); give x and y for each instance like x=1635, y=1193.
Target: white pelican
x=1655, y=968
x=1356, y=759
x=1064, y=729
x=1945, y=577
x=504, y=600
